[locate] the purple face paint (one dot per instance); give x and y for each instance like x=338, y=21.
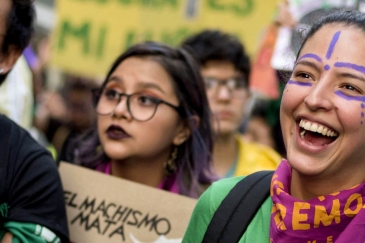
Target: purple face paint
x=346, y=97
x=332, y=44
x=362, y=114
x=355, y=67
x=299, y=83
x=327, y=67
x=310, y=55
x=362, y=106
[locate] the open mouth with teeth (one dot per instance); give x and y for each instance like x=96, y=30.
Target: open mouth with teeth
x=316, y=134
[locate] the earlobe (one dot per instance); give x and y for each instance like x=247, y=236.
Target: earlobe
x=182, y=136
x=185, y=131
x=9, y=59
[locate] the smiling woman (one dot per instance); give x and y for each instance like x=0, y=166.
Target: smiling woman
x=153, y=124
x=317, y=193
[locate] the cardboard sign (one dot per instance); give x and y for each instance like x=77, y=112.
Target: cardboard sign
x=90, y=34
x=103, y=208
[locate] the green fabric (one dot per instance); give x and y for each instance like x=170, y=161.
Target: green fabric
x=4, y=210
x=258, y=230
x=28, y=233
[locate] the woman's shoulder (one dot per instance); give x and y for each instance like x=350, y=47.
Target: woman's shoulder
x=220, y=189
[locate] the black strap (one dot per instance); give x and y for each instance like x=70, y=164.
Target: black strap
x=238, y=208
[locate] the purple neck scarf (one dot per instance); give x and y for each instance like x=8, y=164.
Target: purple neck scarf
x=334, y=218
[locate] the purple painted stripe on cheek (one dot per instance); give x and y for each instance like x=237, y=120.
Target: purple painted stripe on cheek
x=311, y=55
x=358, y=68
x=299, y=83
x=332, y=44
x=346, y=97
x=362, y=106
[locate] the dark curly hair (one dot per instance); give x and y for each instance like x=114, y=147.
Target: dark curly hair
x=215, y=45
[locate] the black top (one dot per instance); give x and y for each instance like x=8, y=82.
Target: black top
x=30, y=183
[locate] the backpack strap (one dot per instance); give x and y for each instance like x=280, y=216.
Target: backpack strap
x=237, y=209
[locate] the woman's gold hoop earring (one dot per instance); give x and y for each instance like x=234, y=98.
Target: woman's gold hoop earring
x=99, y=149
x=170, y=165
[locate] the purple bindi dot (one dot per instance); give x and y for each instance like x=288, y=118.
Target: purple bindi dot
x=362, y=106
x=327, y=67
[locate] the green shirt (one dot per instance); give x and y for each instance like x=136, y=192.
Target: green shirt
x=257, y=231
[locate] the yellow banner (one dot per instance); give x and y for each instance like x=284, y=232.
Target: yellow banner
x=90, y=34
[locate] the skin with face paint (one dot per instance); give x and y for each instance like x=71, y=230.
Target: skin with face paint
x=137, y=149
x=326, y=94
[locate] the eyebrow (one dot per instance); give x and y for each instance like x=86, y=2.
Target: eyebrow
x=354, y=76
x=310, y=55
x=149, y=85
x=114, y=78
x=355, y=67
x=145, y=85
x=307, y=63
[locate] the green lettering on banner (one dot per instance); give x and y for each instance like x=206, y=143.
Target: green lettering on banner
x=129, y=39
x=82, y=33
x=101, y=42
x=144, y=3
x=171, y=38
x=243, y=8
x=175, y=38
x=125, y=2
x=158, y=3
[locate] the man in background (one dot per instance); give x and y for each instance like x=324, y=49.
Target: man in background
x=225, y=68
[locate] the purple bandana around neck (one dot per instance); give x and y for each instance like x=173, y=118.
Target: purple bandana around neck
x=334, y=218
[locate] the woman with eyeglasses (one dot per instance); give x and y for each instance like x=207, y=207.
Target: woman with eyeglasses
x=153, y=122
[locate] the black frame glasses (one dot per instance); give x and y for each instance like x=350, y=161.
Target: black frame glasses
x=98, y=93
x=234, y=83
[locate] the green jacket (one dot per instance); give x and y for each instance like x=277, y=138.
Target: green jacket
x=257, y=231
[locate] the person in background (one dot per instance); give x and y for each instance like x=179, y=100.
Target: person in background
x=31, y=196
x=16, y=94
x=318, y=191
x=77, y=94
x=153, y=122
x=225, y=68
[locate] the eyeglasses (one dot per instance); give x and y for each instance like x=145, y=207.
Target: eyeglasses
x=234, y=85
x=140, y=106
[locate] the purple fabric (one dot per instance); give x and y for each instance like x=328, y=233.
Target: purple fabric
x=173, y=187
x=31, y=57
x=338, y=217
